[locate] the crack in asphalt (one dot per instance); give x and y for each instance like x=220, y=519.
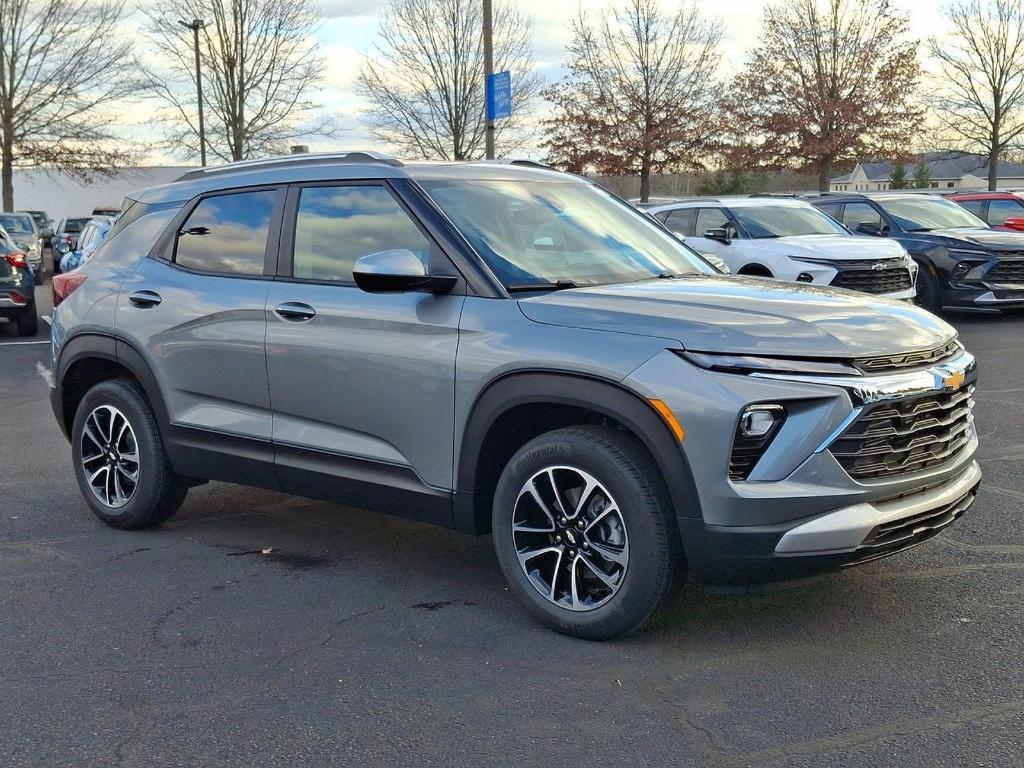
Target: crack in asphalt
x=952, y=721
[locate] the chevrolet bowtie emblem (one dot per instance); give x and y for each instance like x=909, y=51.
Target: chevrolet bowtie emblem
x=954, y=380
x=878, y=267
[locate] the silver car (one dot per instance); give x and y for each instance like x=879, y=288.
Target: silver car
x=504, y=349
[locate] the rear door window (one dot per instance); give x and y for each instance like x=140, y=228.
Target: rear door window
x=976, y=207
x=681, y=221
x=227, y=234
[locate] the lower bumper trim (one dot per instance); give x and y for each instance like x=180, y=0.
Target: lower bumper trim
x=849, y=528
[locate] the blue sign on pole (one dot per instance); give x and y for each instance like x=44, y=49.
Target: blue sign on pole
x=499, y=95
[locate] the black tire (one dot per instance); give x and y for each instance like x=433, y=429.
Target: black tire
x=159, y=491
x=756, y=271
x=929, y=295
x=28, y=322
x=655, y=564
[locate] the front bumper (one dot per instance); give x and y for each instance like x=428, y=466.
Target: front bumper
x=801, y=512
x=995, y=284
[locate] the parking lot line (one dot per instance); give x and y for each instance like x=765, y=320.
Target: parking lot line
x=23, y=343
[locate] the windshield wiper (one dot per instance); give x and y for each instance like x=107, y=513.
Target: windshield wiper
x=558, y=285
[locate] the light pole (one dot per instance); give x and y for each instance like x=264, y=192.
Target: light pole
x=195, y=25
x=488, y=71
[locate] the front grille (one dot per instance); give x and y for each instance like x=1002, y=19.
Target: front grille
x=889, y=280
x=1006, y=272
x=908, y=531
x=904, y=436
x=886, y=363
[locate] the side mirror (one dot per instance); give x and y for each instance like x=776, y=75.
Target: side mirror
x=869, y=228
x=721, y=234
x=1015, y=222
x=396, y=271
x=62, y=248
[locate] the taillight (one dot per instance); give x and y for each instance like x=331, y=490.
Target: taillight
x=65, y=285
x=17, y=259
x=17, y=298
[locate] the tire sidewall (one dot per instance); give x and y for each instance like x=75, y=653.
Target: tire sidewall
x=646, y=572
x=928, y=290
x=122, y=396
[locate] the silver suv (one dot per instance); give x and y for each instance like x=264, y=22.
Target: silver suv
x=503, y=348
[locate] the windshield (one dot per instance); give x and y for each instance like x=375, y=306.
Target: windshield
x=547, y=233
x=784, y=221
x=17, y=225
x=922, y=214
x=75, y=225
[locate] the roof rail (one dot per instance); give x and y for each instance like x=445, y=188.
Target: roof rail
x=316, y=158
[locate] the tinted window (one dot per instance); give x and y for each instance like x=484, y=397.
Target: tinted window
x=17, y=225
x=831, y=209
x=338, y=225
x=767, y=221
x=74, y=226
x=227, y=234
x=861, y=213
x=974, y=206
x=1001, y=210
x=681, y=221
x=712, y=218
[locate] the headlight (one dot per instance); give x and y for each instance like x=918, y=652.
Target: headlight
x=964, y=253
x=754, y=363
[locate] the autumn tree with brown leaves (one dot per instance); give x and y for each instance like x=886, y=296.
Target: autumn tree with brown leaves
x=640, y=93
x=980, y=97
x=831, y=82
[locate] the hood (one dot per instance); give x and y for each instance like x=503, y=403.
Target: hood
x=989, y=239
x=746, y=315
x=840, y=247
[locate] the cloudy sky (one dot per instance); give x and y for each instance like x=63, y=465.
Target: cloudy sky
x=349, y=29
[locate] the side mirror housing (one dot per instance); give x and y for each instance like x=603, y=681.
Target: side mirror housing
x=62, y=248
x=869, y=228
x=721, y=234
x=398, y=271
x=1015, y=223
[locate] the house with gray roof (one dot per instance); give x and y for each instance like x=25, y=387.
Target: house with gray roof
x=949, y=171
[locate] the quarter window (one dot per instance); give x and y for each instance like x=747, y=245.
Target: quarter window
x=338, y=225
x=227, y=234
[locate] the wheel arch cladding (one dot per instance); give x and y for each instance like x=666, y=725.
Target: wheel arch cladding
x=518, y=407
x=87, y=360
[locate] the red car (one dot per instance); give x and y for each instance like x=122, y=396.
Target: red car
x=1000, y=210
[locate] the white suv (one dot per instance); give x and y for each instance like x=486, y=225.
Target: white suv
x=791, y=240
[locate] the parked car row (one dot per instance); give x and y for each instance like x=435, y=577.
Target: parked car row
x=955, y=250
x=505, y=349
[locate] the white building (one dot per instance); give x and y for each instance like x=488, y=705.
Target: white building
x=949, y=170
x=63, y=196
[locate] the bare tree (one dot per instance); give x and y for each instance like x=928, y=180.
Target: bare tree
x=259, y=69
x=62, y=66
x=979, y=101
x=641, y=93
x=426, y=82
x=830, y=82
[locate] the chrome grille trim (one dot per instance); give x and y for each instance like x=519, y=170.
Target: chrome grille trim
x=908, y=360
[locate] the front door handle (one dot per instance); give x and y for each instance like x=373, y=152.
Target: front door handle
x=295, y=310
x=145, y=298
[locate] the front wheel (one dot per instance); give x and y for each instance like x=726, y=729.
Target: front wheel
x=120, y=462
x=929, y=295
x=584, y=533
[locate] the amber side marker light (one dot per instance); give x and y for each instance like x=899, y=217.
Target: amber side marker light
x=669, y=418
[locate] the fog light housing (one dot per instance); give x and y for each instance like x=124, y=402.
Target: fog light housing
x=961, y=269
x=805, y=277
x=755, y=431
x=759, y=420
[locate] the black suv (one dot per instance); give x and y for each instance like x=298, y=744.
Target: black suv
x=964, y=262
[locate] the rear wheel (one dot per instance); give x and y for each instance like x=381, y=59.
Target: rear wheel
x=584, y=533
x=120, y=462
x=28, y=322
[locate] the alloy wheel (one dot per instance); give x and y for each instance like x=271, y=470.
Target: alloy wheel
x=570, y=538
x=110, y=456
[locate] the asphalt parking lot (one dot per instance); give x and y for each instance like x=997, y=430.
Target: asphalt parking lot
x=258, y=629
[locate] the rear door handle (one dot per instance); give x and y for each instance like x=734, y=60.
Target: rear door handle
x=145, y=298
x=295, y=310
